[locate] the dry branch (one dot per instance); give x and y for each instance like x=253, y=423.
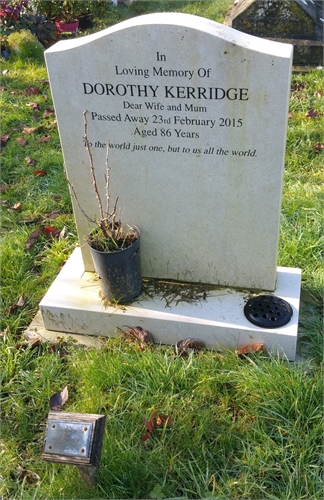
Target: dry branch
x=94, y=181
x=107, y=220
x=78, y=203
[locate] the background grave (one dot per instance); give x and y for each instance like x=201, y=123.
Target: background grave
x=297, y=22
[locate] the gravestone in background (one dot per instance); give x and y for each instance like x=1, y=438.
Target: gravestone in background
x=196, y=115
x=297, y=22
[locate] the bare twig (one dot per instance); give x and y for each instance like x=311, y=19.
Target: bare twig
x=106, y=221
x=94, y=181
x=113, y=219
x=107, y=180
x=78, y=203
x=119, y=226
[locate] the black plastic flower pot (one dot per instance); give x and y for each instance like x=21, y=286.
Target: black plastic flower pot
x=119, y=272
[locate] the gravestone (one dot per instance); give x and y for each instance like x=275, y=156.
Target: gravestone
x=297, y=22
x=197, y=139
x=197, y=133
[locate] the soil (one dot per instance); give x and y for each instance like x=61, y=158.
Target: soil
x=98, y=242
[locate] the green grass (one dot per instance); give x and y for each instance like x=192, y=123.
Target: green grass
x=242, y=428
x=248, y=428
x=215, y=10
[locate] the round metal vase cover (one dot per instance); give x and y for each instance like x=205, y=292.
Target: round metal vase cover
x=268, y=311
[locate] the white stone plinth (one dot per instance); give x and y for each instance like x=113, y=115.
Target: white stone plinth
x=72, y=304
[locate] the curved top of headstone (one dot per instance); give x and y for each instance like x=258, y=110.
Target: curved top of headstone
x=182, y=20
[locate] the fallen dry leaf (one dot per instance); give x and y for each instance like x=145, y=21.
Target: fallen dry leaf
x=63, y=233
x=12, y=309
x=33, y=237
x=146, y=437
x=29, y=130
x=32, y=344
x=29, y=221
x=39, y=172
x=17, y=206
x=21, y=141
x=140, y=336
x=53, y=215
x=156, y=420
x=318, y=93
x=164, y=420
x=319, y=146
x=32, y=91
x=312, y=113
x=48, y=112
x=138, y=333
x=29, y=476
x=45, y=138
x=51, y=232
x=35, y=342
x=185, y=346
x=60, y=348
x=297, y=87
x=58, y=399
x=250, y=349
x=33, y=105
x=20, y=303
x=149, y=424
x=30, y=161
x=4, y=139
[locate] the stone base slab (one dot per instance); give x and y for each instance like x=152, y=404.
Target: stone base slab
x=73, y=305
x=37, y=331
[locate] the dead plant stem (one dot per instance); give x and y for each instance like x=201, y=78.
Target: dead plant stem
x=107, y=180
x=112, y=215
x=78, y=203
x=107, y=220
x=94, y=181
